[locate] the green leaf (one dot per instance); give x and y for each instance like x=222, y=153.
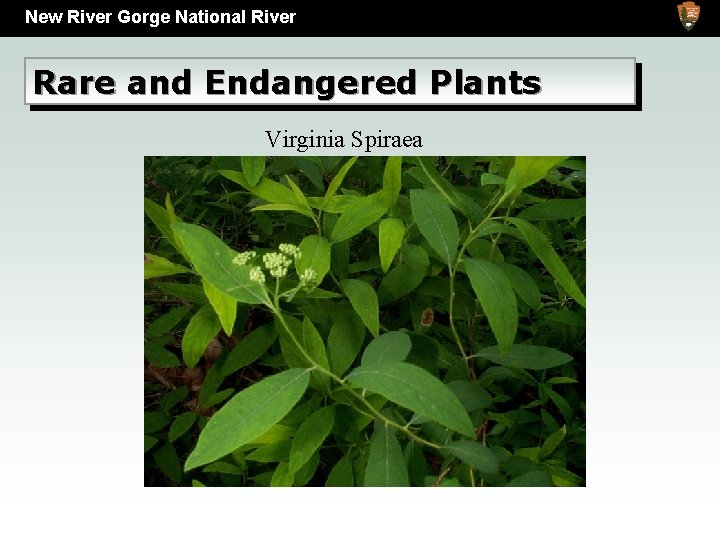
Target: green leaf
x=307, y=471
x=526, y=357
x=318, y=293
x=266, y=189
x=552, y=442
x=166, y=459
x=389, y=347
x=313, y=167
x=269, y=453
x=292, y=355
x=225, y=306
x=414, y=388
x=554, y=210
x=339, y=255
x=310, y=435
x=532, y=479
x=172, y=398
x=341, y=475
x=211, y=383
x=524, y=285
x=149, y=442
x=494, y=228
x=235, y=176
x=282, y=476
x=400, y=281
x=492, y=179
x=274, y=192
x=485, y=249
x=417, y=463
x=248, y=415
x=473, y=396
x=392, y=180
x=495, y=292
x=186, y=291
x=427, y=174
x=277, y=433
x=436, y=223
x=530, y=169
x=219, y=397
x=562, y=477
x=390, y=237
x=566, y=317
x=159, y=216
x=308, y=338
x=250, y=348
x=181, y=424
x=432, y=177
x=167, y=322
x=253, y=168
x=156, y=266
x=314, y=254
x=344, y=340
x=159, y=356
x=574, y=164
x=155, y=420
x=386, y=463
x=464, y=164
x=313, y=343
x=172, y=217
x=336, y=182
x=562, y=404
x=474, y=454
x=540, y=244
x=362, y=214
x=221, y=467
x=364, y=301
x=200, y=331
x=561, y=380
x=337, y=205
x=299, y=196
x=405, y=277
x=214, y=261
x=283, y=207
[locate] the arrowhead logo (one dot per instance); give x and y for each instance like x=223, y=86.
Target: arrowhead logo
x=689, y=13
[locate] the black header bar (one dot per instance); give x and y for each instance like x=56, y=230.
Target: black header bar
x=498, y=19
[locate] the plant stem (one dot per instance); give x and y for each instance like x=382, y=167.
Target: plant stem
x=345, y=386
x=498, y=235
x=453, y=270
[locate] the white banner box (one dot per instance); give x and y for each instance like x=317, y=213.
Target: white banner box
x=362, y=82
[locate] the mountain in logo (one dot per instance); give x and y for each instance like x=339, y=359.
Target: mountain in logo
x=689, y=13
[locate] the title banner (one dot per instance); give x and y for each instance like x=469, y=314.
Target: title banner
x=348, y=83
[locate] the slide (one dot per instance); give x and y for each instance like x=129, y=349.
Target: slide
x=465, y=251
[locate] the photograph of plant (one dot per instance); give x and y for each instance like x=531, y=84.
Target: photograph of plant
x=365, y=321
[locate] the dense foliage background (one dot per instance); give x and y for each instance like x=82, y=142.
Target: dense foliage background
x=460, y=278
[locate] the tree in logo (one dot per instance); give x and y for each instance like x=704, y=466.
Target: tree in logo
x=689, y=13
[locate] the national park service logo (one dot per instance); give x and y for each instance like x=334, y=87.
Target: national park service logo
x=689, y=13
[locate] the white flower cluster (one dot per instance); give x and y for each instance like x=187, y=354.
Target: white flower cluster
x=289, y=250
x=277, y=264
x=257, y=275
x=245, y=257
x=308, y=277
